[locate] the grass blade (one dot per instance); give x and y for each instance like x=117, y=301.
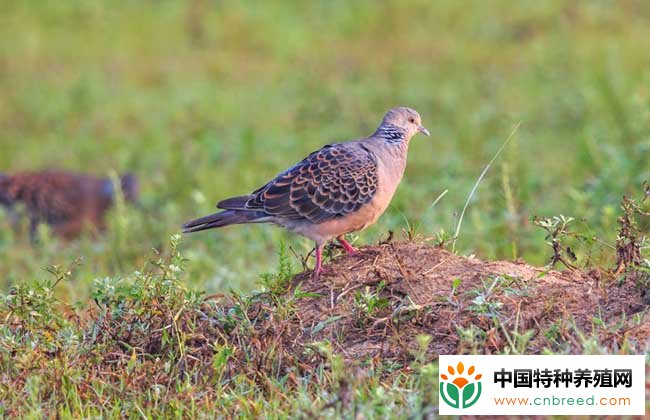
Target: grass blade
x=478, y=181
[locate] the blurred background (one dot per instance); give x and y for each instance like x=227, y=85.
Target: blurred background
x=207, y=99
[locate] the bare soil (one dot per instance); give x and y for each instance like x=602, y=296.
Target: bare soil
x=496, y=306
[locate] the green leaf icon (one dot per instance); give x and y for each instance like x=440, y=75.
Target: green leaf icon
x=449, y=394
x=468, y=391
x=452, y=390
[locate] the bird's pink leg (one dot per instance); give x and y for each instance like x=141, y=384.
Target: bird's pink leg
x=346, y=245
x=318, y=268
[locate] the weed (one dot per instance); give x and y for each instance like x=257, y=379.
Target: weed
x=485, y=303
x=368, y=303
x=629, y=240
x=442, y=238
x=278, y=282
x=557, y=231
x=472, y=339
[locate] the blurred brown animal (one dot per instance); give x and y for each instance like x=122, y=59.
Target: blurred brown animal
x=68, y=202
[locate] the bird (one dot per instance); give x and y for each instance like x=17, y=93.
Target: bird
x=69, y=202
x=338, y=189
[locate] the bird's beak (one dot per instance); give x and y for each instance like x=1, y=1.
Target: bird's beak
x=423, y=130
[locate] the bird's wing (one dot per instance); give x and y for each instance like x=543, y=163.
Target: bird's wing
x=329, y=183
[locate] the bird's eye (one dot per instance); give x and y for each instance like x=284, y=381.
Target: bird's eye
x=411, y=120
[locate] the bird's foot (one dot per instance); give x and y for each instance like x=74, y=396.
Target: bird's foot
x=320, y=270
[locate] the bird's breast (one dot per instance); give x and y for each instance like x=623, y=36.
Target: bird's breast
x=390, y=171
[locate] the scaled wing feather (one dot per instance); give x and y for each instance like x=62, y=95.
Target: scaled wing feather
x=330, y=183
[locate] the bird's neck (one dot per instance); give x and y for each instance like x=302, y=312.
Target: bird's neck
x=391, y=151
x=392, y=134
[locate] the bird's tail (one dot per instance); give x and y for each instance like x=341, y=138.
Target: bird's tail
x=224, y=218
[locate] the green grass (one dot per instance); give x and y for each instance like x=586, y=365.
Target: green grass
x=201, y=117
x=205, y=99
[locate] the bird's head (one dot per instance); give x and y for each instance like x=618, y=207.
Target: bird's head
x=400, y=124
x=130, y=187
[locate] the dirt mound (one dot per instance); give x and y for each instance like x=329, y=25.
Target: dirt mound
x=381, y=301
x=385, y=307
